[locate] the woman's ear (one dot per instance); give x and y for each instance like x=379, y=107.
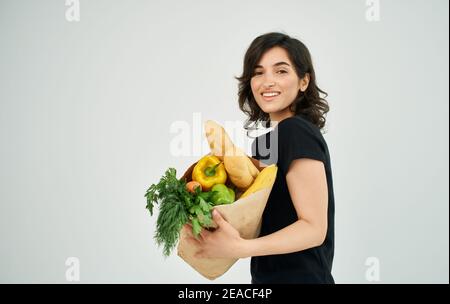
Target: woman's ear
x=304, y=82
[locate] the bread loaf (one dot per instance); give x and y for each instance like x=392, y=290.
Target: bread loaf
x=218, y=139
x=240, y=169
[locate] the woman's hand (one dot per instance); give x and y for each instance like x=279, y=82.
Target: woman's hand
x=223, y=242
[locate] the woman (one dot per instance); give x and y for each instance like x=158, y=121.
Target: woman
x=296, y=243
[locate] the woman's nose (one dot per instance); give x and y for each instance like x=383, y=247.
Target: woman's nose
x=269, y=85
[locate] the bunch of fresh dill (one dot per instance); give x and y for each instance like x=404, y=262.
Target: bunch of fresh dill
x=177, y=206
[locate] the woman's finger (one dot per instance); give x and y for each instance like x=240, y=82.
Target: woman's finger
x=217, y=217
x=204, y=234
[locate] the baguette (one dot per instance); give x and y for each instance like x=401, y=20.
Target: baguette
x=240, y=169
x=218, y=139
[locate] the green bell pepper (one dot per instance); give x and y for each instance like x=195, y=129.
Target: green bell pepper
x=221, y=194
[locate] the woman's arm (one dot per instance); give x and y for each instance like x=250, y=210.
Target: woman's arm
x=307, y=185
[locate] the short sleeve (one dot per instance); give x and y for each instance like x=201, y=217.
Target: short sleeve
x=299, y=140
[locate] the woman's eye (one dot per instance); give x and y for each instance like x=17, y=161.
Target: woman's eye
x=280, y=71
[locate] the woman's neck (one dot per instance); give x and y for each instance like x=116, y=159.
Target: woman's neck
x=276, y=118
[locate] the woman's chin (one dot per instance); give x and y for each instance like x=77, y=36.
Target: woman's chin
x=269, y=108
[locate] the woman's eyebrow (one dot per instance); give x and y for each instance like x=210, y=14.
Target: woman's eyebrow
x=276, y=64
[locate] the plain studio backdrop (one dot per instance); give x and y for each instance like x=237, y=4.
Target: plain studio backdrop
x=87, y=113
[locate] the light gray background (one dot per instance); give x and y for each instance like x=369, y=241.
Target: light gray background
x=86, y=109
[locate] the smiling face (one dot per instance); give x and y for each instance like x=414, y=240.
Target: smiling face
x=275, y=84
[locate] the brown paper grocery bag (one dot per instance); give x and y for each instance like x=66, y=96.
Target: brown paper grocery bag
x=244, y=214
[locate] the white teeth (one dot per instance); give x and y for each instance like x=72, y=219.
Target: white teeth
x=270, y=94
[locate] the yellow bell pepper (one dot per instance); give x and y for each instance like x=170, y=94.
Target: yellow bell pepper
x=209, y=171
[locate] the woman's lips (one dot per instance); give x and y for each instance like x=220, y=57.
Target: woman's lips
x=269, y=98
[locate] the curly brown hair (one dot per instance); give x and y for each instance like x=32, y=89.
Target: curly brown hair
x=308, y=104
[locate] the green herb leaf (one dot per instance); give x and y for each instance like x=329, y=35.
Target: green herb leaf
x=196, y=228
x=171, y=195
x=177, y=206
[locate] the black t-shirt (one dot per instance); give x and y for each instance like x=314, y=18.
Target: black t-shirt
x=293, y=138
